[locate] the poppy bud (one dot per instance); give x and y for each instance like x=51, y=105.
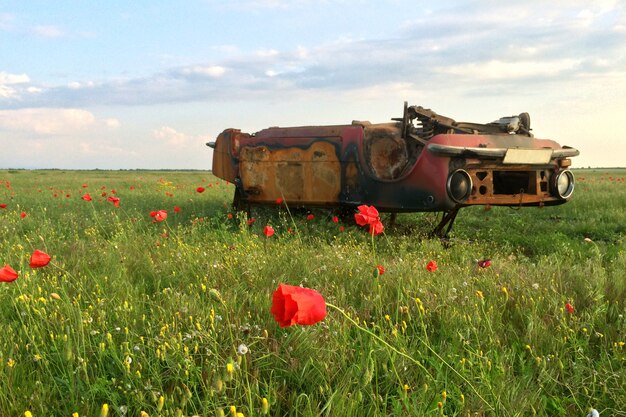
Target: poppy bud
x=296, y=305
x=7, y=274
x=39, y=259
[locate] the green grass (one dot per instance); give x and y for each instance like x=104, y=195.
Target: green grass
x=129, y=311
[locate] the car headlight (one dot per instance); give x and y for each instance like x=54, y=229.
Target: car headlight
x=459, y=186
x=564, y=184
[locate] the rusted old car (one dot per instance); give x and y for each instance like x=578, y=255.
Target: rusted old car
x=419, y=162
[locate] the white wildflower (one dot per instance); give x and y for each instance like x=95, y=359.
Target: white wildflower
x=242, y=349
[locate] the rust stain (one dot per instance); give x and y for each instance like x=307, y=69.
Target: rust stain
x=385, y=150
x=304, y=176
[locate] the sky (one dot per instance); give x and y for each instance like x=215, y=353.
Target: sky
x=145, y=84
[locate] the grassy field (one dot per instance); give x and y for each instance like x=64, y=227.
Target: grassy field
x=135, y=316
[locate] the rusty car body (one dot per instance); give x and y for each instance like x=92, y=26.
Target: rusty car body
x=419, y=162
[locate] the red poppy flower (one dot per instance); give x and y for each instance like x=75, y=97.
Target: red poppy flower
x=335, y=219
x=39, y=259
x=310, y=217
x=200, y=189
x=296, y=305
x=341, y=228
x=132, y=187
x=268, y=231
x=23, y=214
x=153, y=213
x=376, y=228
x=569, y=308
x=279, y=200
x=3, y=205
x=7, y=274
x=85, y=185
x=366, y=215
x=380, y=270
x=431, y=266
x=485, y=263
x=115, y=201
x=86, y=197
x=176, y=209
x=251, y=220
x=229, y=215
x=161, y=215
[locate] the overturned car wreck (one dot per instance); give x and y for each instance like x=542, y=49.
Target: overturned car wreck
x=419, y=162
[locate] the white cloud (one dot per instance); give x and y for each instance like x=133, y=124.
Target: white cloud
x=47, y=31
x=75, y=85
x=51, y=121
x=112, y=123
x=8, y=81
x=172, y=137
x=267, y=53
x=500, y=70
x=206, y=71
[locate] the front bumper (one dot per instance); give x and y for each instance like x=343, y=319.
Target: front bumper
x=499, y=153
x=507, y=176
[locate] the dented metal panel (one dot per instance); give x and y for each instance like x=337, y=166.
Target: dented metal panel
x=309, y=175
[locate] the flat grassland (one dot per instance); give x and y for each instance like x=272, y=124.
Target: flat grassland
x=172, y=317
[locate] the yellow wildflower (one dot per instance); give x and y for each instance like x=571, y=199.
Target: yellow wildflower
x=160, y=404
